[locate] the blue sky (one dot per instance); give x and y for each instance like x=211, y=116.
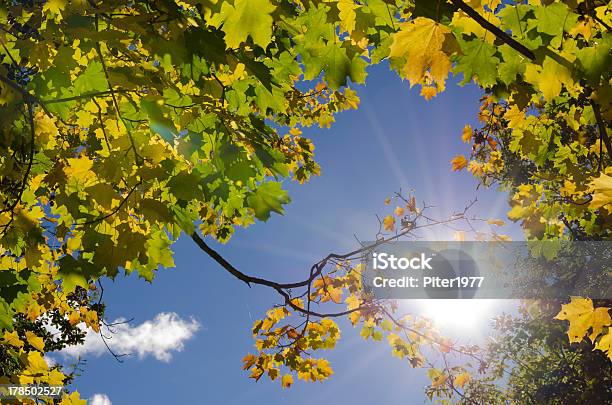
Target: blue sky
x=396, y=139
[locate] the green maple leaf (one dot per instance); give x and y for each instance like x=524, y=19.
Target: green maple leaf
x=554, y=19
x=478, y=62
x=247, y=18
x=92, y=79
x=266, y=198
x=595, y=60
x=335, y=64
x=513, y=64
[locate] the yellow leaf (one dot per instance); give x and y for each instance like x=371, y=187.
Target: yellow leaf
x=459, y=236
x=55, y=377
x=501, y=238
x=55, y=6
x=389, y=223
x=584, y=27
x=387, y=201
x=35, y=341
x=601, y=188
x=335, y=294
x=287, y=380
x=73, y=399
x=601, y=318
x=549, y=78
x=79, y=169
x=582, y=316
x=347, y=15
x=426, y=46
x=36, y=363
x=399, y=211
x=459, y=162
x=466, y=135
x=12, y=338
x=429, y=92
x=74, y=318
x=514, y=116
x=605, y=344
x=461, y=379
x=494, y=221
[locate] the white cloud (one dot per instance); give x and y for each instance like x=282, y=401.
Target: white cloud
x=100, y=399
x=159, y=337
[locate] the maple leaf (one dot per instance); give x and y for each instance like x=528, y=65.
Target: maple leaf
x=389, y=223
x=247, y=18
x=605, y=343
x=582, y=316
x=427, y=46
x=458, y=163
x=54, y=6
x=461, y=379
x=287, y=380
x=398, y=211
x=347, y=15
x=266, y=198
x=12, y=338
x=601, y=188
x=35, y=341
x=467, y=133
x=549, y=78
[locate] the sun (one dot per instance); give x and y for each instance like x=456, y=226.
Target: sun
x=460, y=317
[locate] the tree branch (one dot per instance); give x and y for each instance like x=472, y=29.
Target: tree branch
x=501, y=35
x=601, y=125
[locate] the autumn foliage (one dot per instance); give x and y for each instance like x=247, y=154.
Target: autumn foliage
x=126, y=124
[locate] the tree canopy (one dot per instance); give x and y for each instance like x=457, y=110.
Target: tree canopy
x=125, y=124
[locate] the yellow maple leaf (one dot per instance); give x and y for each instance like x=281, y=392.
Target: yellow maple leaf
x=428, y=92
x=549, y=78
x=73, y=399
x=36, y=364
x=426, y=45
x=601, y=188
x=605, y=344
x=389, y=223
x=79, y=169
x=287, y=380
x=347, y=15
x=54, y=6
x=399, y=211
x=582, y=316
x=584, y=28
x=466, y=134
x=601, y=319
x=36, y=342
x=459, y=162
x=515, y=116
x=462, y=379
x=12, y=338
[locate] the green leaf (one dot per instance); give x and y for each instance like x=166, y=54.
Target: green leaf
x=513, y=64
x=478, y=62
x=92, y=79
x=596, y=60
x=554, y=19
x=247, y=18
x=266, y=198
